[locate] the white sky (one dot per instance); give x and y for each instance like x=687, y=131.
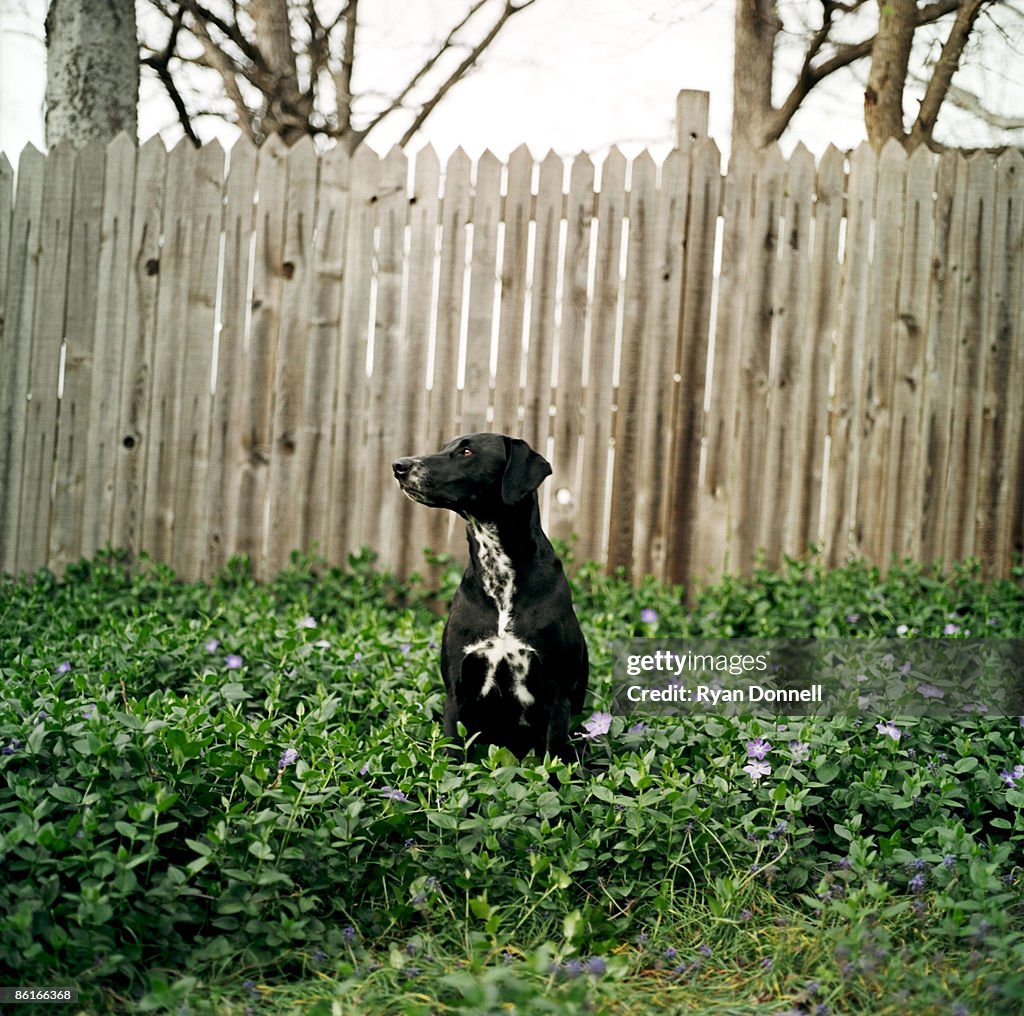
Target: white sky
x=572, y=75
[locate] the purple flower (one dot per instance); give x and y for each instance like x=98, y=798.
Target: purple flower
x=364, y=768
x=288, y=757
x=916, y=884
x=212, y=645
x=951, y=629
x=405, y=647
x=889, y=729
x=599, y=723
x=597, y=966
x=1010, y=778
x=89, y=712
x=393, y=795
x=348, y=933
x=638, y=728
x=852, y=618
x=755, y=770
x=63, y=668
x=233, y=661
x=758, y=748
x=799, y=751
x=930, y=691
x=307, y=622
x=649, y=615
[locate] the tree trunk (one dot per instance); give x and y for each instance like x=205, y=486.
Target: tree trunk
x=92, y=71
x=757, y=26
x=890, y=58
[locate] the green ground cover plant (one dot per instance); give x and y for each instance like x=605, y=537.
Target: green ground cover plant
x=234, y=797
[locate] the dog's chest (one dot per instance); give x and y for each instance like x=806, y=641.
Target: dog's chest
x=497, y=576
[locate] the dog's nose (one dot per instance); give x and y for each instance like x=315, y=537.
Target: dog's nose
x=401, y=466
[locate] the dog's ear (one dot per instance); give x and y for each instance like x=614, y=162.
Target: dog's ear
x=525, y=470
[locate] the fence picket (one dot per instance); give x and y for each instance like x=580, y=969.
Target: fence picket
x=133, y=431
x=476, y=388
x=940, y=354
x=902, y=463
x=810, y=409
x=289, y=454
x=320, y=385
x=44, y=371
x=1001, y=458
x=411, y=410
x=636, y=346
x=970, y=355
x=878, y=353
x=791, y=296
x=599, y=359
x=680, y=512
x=109, y=343
x=759, y=336
x=569, y=423
x=229, y=433
x=23, y=281
x=344, y=528
x=70, y=451
x=847, y=400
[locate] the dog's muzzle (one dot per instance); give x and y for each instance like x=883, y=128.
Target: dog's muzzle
x=407, y=473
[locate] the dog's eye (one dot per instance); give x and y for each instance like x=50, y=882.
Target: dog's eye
x=466, y=452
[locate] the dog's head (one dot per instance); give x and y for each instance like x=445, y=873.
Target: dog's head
x=475, y=474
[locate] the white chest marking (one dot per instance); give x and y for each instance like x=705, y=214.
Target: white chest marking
x=498, y=578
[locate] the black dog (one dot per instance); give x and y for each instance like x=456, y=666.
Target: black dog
x=513, y=657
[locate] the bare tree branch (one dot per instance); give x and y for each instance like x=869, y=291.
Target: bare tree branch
x=942, y=76
x=971, y=103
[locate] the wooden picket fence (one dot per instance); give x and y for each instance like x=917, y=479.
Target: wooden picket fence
x=200, y=362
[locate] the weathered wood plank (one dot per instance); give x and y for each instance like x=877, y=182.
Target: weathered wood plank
x=712, y=525
x=383, y=438
x=599, y=358
x=443, y=423
x=134, y=434
x=512, y=307
x=1000, y=512
x=758, y=336
x=265, y=325
x=192, y=477
x=345, y=520
x=323, y=353
x=810, y=426
x=44, y=375
x=661, y=381
x=971, y=348
x=635, y=348
x=847, y=401
x=16, y=348
x=691, y=367
x=165, y=411
x=109, y=342
x=476, y=387
x=901, y=480
x=785, y=380
x=74, y=410
x=413, y=431
x=289, y=452
x=6, y=211
x=943, y=325
x=537, y=394
x=569, y=424
x=229, y=434
x=878, y=353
